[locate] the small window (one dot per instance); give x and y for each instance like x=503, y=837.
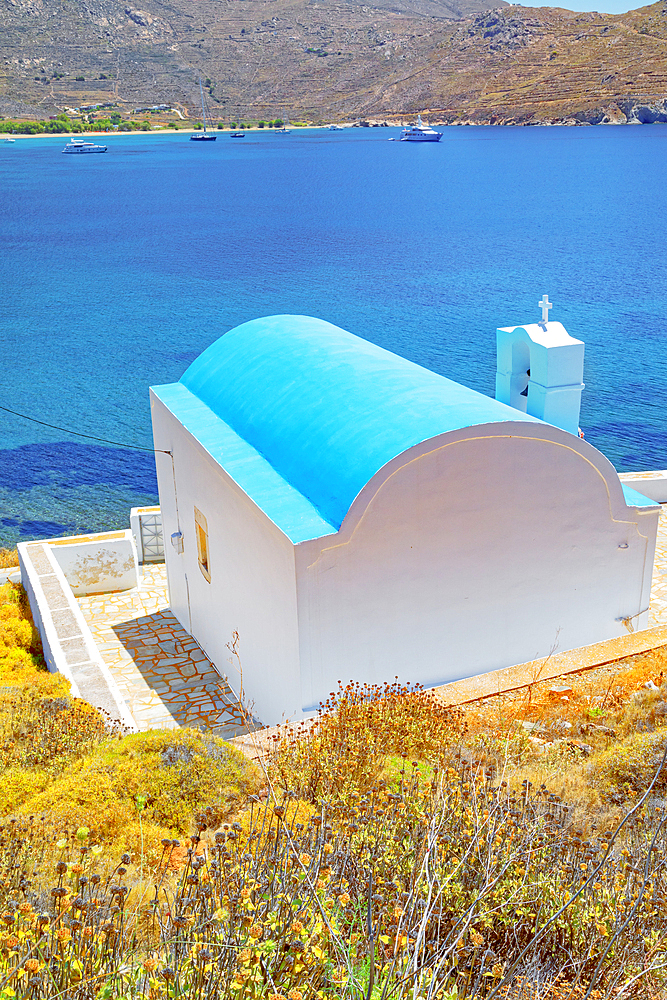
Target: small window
x=201, y=530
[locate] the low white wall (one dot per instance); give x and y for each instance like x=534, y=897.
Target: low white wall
x=651, y=484
x=35, y=565
x=67, y=642
x=98, y=564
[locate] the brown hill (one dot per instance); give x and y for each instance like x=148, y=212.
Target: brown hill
x=326, y=59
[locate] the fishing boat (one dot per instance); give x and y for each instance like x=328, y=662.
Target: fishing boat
x=202, y=136
x=79, y=146
x=420, y=133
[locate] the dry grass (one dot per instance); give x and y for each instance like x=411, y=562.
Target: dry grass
x=451, y=887
x=8, y=558
x=603, y=712
x=395, y=850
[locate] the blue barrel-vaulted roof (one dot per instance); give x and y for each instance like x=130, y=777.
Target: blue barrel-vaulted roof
x=302, y=414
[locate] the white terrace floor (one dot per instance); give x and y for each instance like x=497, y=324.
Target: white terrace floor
x=168, y=681
x=165, y=678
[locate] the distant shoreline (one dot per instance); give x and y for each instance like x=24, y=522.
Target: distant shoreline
x=156, y=131
x=570, y=123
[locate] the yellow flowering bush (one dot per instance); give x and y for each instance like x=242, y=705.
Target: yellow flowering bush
x=382, y=855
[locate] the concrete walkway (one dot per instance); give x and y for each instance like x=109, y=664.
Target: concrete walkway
x=658, y=611
x=164, y=677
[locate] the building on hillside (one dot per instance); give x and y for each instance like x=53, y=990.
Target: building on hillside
x=352, y=515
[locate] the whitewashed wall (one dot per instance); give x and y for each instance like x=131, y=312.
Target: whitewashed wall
x=477, y=550
x=252, y=589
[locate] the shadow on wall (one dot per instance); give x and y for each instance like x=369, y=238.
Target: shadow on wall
x=75, y=488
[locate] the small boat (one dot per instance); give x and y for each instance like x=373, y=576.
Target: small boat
x=237, y=135
x=202, y=136
x=284, y=130
x=8, y=138
x=334, y=128
x=79, y=146
x=420, y=133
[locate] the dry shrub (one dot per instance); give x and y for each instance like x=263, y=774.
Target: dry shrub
x=629, y=766
x=39, y=731
x=450, y=888
x=59, y=757
x=8, y=558
x=601, y=695
x=19, y=784
x=357, y=729
x=293, y=814
x=525, y=989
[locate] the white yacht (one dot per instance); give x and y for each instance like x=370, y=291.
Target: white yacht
x=334, y=128
x=79, y=146
x=420, y=133
x=8, y=138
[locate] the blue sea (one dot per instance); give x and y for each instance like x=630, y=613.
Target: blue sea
x=117, y=270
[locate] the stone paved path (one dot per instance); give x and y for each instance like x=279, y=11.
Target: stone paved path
x=165, y=678
x=658, y=613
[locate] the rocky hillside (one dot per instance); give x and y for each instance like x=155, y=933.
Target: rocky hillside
x=555, y=65
x=327, y=59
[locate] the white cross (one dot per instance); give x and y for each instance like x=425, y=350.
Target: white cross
x=545, y=306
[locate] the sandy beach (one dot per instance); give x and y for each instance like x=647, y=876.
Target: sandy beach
x=158, y=131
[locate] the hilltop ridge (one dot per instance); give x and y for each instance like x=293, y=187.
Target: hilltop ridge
x=327, y=59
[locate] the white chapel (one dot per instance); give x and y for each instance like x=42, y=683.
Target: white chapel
x=352, y=515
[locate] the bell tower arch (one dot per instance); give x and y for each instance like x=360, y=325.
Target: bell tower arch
x=539, y=371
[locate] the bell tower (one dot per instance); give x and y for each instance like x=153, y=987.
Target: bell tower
x=540, y=370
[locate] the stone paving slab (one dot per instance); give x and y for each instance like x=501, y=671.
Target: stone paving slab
x=164, y=676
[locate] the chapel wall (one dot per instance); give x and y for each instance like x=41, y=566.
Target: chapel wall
x=251, y=567
x=481, y=549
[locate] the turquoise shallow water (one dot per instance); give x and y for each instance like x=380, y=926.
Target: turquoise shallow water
x=117, y=270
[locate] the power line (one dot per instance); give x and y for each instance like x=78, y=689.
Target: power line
x=66, y=430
